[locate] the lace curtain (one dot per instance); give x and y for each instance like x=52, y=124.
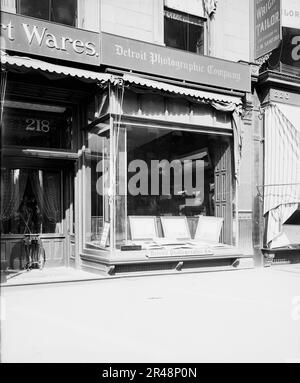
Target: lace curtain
x=13, y=184
x=18, y=187
x=46, y=189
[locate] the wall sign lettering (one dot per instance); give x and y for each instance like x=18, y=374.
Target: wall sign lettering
x=158, y=60
x=42, y=38
x=267, y=26
x=290, y=55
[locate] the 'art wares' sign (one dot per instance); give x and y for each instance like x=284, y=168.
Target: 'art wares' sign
x=42, y=38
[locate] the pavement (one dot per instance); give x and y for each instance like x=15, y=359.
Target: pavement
x=232, y=316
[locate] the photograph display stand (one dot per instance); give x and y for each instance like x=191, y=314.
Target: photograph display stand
x=105, y=234
x=176, y=241
x=143, y=228
x=176, y=228
x=209, y=229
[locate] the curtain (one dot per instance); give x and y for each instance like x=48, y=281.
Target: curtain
x=237, y=132
x=210, y=6
x=282, y=170
x=52, y=196
x=13, y=184
x=47, y=193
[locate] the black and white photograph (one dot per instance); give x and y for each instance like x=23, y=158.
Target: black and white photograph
x=150, y=185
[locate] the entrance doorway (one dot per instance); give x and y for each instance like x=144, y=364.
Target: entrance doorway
x=33, y=202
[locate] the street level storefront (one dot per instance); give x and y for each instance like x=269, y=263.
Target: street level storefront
x=162, y=160
x=141, y=212
x=117, y=172
x=43, y=112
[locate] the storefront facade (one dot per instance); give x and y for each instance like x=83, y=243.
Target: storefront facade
x=42, y=114
x=278, y=89
x=123, y=159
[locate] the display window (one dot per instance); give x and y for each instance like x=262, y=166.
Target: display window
x=169, y=158
x=97, y=161
x=153, y=187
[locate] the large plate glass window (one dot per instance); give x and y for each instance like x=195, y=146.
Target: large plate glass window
x=97, y=206
x=172, y=173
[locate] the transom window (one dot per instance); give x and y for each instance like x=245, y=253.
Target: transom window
x=40, y=126
x=59, y=11
x=183, y=31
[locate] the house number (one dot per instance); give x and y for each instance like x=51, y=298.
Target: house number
x=35, y=125
x=281, y=95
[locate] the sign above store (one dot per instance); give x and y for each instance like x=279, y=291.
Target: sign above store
x=267, y=26
x=291, y=13
x=173, y=63
x=290, y=55
x=42, y=38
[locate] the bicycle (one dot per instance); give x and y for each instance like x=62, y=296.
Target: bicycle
x=35, y=252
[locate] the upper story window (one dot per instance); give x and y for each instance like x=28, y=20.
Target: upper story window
x=58, y=11
x=184, y=31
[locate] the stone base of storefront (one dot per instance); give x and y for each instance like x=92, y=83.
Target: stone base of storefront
x=95, y=267
x=139, y=264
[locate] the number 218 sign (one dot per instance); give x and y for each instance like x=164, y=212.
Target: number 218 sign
x=36, y=125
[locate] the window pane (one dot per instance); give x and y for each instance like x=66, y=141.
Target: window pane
x=183, y=31
x=196, y=39
x=175, y=34
x=34, y=8
x=184, y=180
x=64, y=11
x=97, y=206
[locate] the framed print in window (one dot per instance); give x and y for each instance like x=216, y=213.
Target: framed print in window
x=176, y=228
x=143, y=227
x=209, y=229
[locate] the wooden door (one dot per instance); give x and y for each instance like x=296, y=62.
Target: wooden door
x=223, y=187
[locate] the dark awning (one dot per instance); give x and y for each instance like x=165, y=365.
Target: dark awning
x=26, y=63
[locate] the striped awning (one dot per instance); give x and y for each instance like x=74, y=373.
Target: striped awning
x=27, y=63
x=199, y=94
x=282, y=168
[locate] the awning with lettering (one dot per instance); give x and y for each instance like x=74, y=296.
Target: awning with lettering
x=27, y=63
x=195, y=93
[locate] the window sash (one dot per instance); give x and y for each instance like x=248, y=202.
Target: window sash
x=51, y=12
x=183, y=17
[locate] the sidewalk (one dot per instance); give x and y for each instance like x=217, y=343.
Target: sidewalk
x=238, y=316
